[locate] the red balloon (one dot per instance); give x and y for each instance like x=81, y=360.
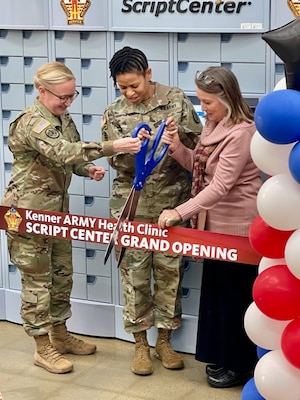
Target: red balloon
x=267, y=241
x=290, y=342
x=276, y=292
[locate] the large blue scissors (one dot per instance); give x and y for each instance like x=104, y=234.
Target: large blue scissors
x=144, y=165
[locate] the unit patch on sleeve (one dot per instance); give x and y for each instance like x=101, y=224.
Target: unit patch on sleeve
x=41, y=125
x=195, y=116
x=52, y=133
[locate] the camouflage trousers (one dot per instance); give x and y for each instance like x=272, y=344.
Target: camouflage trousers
x=151, y=290
x=46, y=270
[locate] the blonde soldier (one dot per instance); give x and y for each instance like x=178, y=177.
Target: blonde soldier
x=47, y=150
x=150, y=102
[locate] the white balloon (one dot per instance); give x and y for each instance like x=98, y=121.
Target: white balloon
x=278, y=202
x=292, y=253
x=280, y=84
x=262, y=330
x=266, y=262
x=275, y=378
x=269, y=157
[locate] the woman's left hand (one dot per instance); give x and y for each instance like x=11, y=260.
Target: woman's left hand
x=168, y=218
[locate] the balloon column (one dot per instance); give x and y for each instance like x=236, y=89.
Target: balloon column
x=272, y=321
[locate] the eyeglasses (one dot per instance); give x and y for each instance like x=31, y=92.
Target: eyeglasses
x=206, y=79
x=66, y=97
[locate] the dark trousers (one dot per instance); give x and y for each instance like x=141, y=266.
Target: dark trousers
x=226, y=294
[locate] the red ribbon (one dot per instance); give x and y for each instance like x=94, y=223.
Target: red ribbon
x=138, y=235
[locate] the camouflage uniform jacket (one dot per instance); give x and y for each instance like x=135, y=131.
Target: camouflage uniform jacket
x=169, y=184
x=47, y=150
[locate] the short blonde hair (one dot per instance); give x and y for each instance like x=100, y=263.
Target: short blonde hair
x=51, y=74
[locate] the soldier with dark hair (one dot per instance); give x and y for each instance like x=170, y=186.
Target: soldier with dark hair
x=150, y=102
x=47, y=150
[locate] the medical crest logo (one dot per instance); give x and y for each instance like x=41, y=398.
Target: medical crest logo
x=75, y=10
x=13, y=220
x=295, y=7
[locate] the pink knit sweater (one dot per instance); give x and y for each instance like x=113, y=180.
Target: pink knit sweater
x=231, y=179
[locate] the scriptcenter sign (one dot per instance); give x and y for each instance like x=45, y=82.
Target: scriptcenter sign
x=189, y=15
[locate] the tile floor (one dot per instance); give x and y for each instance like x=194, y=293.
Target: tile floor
x=105, y=375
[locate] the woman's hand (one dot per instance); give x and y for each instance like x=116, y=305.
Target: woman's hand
x=168, y=218
x=127, y=145
x=170, y=135
x=96, y=172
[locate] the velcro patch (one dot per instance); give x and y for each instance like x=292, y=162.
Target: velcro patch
x=41, y=125
x=195, y=116
x=52, y=133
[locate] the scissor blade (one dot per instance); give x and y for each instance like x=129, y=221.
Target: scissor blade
x=124, y=214
x=122, y=252
x=108, y=251
x=134, y=202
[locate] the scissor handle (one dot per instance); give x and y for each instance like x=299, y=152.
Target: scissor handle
x=140, y=158
x=152, y=161
x=143, y=164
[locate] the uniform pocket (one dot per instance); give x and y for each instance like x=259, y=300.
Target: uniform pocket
x=30, y=254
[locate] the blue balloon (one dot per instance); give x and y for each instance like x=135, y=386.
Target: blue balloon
x=294, y=162
x=250, y=392
x=261, y=351
x=277, y=116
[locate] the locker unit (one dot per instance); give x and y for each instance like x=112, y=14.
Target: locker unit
x=244, y=54
x=156, y=46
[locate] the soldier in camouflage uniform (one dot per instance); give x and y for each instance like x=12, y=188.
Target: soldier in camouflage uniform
x=149, y=102
x=47, y=150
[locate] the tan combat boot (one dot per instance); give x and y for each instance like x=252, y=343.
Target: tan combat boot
x=64, y=342
x=164, y=352
x=142, y=364
x=46, y=356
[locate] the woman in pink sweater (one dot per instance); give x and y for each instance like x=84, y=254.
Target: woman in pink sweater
x=223, y=200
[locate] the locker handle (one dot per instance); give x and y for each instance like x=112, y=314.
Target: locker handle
x=90, y=253
x=85, y=63
x=91, y=279
x=86, y=91
x=6, y=114
x=12, y=268
x=28, y=61
x=88, y=200
x=226, y=37
x=87, y=119
x=4, y=61
x=5, y=87
x=183, y=66
x=185, y=292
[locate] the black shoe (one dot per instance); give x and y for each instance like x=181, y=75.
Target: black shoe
x=214, y=370
x=229, y=379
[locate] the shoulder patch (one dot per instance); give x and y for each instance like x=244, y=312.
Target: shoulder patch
x=52, y=133
x=195, y=116
x=41, y=125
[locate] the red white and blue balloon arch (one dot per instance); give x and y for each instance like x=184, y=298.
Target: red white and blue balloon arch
x=272, y=321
